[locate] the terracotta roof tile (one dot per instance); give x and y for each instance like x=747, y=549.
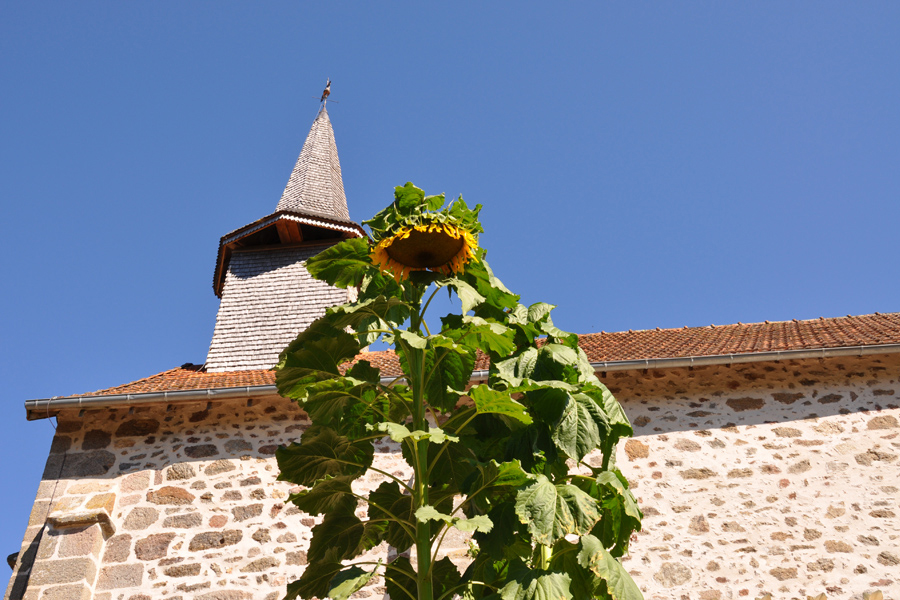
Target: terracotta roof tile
x=864, y=330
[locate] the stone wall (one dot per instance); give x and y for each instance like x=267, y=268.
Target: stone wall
x=779, y=477
x=771, y=477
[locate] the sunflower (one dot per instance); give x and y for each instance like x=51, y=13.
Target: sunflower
x=441, y=247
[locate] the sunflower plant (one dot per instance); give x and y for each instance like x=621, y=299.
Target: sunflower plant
x=504, y=459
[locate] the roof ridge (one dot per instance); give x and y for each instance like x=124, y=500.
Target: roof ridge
x=741, y=324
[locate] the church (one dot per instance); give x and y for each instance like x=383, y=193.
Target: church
x=765, y=455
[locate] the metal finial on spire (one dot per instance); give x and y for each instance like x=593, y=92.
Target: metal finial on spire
x=326, y=91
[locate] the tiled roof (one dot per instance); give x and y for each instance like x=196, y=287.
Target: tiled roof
x=268, y=299
x=315, y=186
x=842, y=332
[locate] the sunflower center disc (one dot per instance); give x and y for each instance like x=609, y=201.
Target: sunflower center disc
x=425, y=250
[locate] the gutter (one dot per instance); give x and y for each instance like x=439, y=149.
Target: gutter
x=48, y=407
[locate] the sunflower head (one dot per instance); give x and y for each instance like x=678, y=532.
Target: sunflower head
x=415, y=234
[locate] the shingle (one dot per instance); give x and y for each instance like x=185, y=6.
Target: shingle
x=315, y=186
x=864, y=330
x=268, y=298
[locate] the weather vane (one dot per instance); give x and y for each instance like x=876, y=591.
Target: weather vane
x=326, y=92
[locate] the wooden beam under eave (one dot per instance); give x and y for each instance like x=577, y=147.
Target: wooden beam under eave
x=288, y=232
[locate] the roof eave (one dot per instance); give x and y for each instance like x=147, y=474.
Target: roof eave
x=307, y=217
x=48, y=407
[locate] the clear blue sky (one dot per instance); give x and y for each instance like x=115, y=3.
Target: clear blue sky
x=640, y=164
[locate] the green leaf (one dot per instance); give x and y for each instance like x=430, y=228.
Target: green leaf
x=478, y=523
x=388, y=504
x=576, y=512
x=408, y=197
x=576, y=433
x=466, y=292
x=552, y=511
x=348, y=582
x=448, y=368
x=497, y=298
x=316, y=577
x=565, y=559
x=507, y=540
x=488, y=400
x=347, y=405
x=492, y=483
x=619, y=584
x=339, y=531
x=539, y=311
x=332, y=494
x=620, y=513
x=398, y=433
x=536, y=509
x=343, y=265
x=400, y=580
x=433, y=203
x=516, y=370
x=317, y=354
x=414, y=340
x=494, y=339
x=445, y=577
x=538, y=585
x=618, y=420
x=322, y=453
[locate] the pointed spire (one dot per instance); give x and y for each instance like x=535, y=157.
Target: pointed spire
x=316, y=186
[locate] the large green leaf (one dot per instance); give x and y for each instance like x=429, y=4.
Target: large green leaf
x=339, y=531
x=387, y=503
x=565, y=559
x=618, y=583
x=533, y=447
x=488, y=400
x=620, y=513
x=400, y=580
x=618, y=420
x=448, y=368
x=345, y=404
x=576, y=512
x=321, y=453
x=492, y=483
x=497, y=297
x=507, y=540
x=536, y=509
x=449, y=464
x=329, y=495
x=408, y=197
x=494, y=339
x=342, y=265
x=576, y=433
x=316, y=577
x=468, y=295
x=537, y=585
x=348, y=582
x=552, y=511
x=444, y=578
x=484, y=575
x=516, y=370
x=315, y=355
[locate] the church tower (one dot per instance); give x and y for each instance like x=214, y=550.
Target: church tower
x=267, y=296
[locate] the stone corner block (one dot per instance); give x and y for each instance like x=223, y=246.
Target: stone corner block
x=120, y=576
x=83, y=518
x=66, y=570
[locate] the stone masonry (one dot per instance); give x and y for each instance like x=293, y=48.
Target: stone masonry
x=778, y=477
